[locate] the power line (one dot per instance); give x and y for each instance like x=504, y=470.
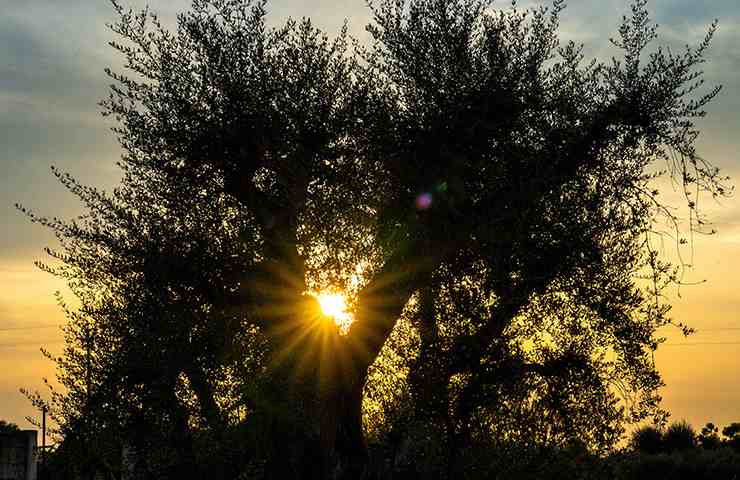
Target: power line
x=691, y=344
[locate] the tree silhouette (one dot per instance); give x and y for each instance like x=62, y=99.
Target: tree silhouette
x=463, y=177
x=8, y=427
x=732, y=430
x=732, y=434
x=708, y=438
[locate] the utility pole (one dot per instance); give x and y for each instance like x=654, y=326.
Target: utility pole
x=43, y=439
x=43, y=428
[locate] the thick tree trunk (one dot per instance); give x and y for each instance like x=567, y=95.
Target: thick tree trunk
x=321, y=374
x=427, y=442
x=322, y=389
x=323, y=440
x=343, y=443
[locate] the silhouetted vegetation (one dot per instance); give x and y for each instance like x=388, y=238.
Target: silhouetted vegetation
x=484, y=197
x=679, y=436
x=692, y=464
x=708, y=438
x=732, y=435
x=647, y=439
x=678, y=452
x=8, y=427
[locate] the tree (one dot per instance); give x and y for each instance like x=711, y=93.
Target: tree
x=731, y=431
x=732, y=435
x=708, y=438
x=464, y=178
x=8, y=427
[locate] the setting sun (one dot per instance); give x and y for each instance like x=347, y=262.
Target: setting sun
x=334, y=305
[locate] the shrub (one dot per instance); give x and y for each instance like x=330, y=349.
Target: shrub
x=696, y=464
x=647, y=439
x=679, y=436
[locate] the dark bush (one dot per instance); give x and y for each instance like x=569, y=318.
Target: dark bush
x=647, y=439
x=679, y=436
x=734, y=443
x=696, y=464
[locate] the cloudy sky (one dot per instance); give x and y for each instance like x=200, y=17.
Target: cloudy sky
x=52, y=56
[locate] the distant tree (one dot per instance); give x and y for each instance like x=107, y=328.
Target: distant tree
x=732, y=430
x=708, y=438
x=8, y=427
x=732, y=435
x=486, y=199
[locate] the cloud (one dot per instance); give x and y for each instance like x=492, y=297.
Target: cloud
x=692, y=11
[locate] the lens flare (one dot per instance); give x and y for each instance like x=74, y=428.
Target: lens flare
x=424, y=201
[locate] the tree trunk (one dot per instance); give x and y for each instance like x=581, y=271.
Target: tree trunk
x=343, y=443
x=431, y=428
x=316, y=422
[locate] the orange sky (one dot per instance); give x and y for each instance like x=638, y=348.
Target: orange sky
x=49, y=90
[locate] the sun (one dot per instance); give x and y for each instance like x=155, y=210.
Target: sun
x=332, y=304
x=335, y=306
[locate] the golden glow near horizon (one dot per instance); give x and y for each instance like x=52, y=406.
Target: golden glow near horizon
x=334, y=305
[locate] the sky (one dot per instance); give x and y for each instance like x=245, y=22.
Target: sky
x=52, y=57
